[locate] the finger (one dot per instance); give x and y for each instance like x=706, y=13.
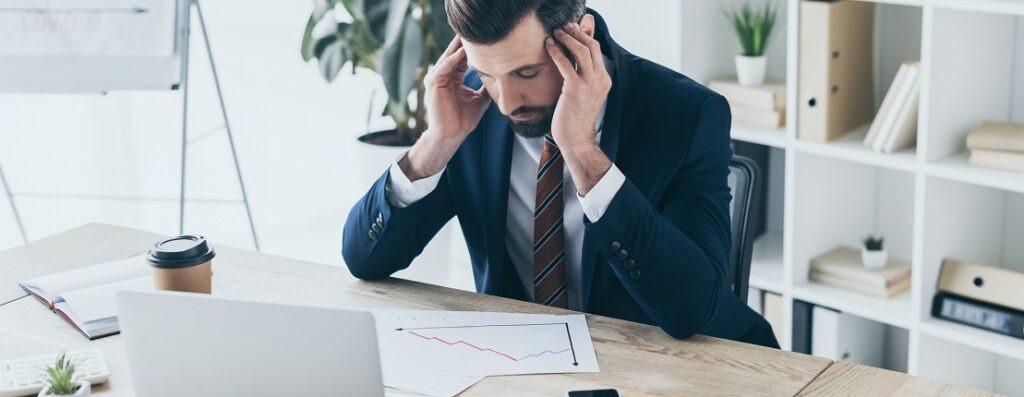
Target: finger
x=454, y=45
x=451, y=63
x=482, y=97
x=561, y=61
x=579, y=51
x=595, y=47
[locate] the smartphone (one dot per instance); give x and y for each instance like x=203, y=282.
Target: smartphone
x=593, y=393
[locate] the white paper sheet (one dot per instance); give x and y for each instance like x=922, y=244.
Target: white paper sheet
x=428, y=344
x=434, y=387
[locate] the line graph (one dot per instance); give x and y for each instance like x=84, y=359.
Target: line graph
x=452, y=341
x=423, y=344
x=483, y=349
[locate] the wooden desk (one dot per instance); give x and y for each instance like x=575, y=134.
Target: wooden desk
x=842, y=378
x=636, y=359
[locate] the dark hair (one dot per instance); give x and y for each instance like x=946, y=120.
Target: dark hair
x=489, y=21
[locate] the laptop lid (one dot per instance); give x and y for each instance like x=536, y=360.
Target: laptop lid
x=183, y=344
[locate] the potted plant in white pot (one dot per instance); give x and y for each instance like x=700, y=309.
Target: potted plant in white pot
x=873, y=254
x=399, y=40
x=61, y=381
x=753, y=27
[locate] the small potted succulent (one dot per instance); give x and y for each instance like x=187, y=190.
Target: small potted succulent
x=61, y=380
x=753, y=27
x=874, y=255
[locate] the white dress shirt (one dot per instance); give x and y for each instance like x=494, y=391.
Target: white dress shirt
x=521, y=202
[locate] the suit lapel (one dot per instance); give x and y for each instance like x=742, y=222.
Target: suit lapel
x=496, y=163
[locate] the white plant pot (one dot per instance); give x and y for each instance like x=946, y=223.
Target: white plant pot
x=84, y=389
x=874, y=259
x=751, y=70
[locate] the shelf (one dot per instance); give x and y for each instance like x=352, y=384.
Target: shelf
x=766, y=262
x=957, y=169
x=1015, y=7
x=850, y=147
x=974, y=337
x=774, y=137
x=895, y=311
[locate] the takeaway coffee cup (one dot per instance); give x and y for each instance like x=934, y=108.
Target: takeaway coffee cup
x=182, y=264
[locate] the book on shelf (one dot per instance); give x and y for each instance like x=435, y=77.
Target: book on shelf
x=768, y=96
x=1012, y=161
x=985, y=297
x=842, y=267
x=84, y=297
x=759, y=117
x=895, y=124
x=990, y=135
x=978, y=314
x=844, y=337
x=772, y=312
x=836, y=55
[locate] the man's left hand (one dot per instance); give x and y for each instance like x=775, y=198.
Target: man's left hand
x=585, y=87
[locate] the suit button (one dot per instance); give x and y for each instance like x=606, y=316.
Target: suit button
x=615, y=246
x=629, y=264
x=373, y=235
x=375, y=227
x=622, y=255
x=635, y=274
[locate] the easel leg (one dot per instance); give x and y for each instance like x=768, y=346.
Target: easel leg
x=184, y=131
x=227, y=125
x=14, y=208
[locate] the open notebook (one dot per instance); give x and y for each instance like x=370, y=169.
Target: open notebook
x=84, y=297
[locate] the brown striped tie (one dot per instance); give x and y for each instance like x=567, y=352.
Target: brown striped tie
x=549, y=275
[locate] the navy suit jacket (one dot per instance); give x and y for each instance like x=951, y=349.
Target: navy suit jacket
x=669, y=136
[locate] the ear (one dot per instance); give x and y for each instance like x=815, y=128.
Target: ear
x=587, y=25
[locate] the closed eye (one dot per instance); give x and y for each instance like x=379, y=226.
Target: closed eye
x=528, y=74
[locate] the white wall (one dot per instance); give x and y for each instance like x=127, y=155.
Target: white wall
x=1018, y=78
x=650, y=29
x=294, y=132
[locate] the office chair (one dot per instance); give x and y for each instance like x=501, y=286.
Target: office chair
x=745, y=183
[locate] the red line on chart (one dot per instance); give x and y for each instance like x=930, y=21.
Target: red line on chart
x=464, y=343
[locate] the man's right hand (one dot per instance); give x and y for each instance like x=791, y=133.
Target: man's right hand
x=453, y=111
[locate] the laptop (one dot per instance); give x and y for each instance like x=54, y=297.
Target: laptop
x=182, y=344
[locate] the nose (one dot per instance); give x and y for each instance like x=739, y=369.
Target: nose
x=508, y=99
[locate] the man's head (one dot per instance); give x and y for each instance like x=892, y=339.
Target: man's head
x=504, y=42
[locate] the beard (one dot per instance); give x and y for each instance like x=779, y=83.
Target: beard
x=536, y=128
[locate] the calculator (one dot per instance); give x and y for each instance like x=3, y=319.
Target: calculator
x=27, y=376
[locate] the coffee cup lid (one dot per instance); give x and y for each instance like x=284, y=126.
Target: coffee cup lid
x=180, y=252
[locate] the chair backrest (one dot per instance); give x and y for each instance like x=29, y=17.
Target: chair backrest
x=745, y=182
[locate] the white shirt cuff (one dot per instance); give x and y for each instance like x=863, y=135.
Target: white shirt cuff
x=402, y=192
x=596, y=202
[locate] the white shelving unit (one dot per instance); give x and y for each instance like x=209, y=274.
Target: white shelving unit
x=927, y=201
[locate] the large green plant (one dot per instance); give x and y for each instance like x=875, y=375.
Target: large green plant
x=396, y=38
x=753, y=26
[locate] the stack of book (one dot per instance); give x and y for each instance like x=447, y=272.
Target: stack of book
x=763, y=105
x=998, y=145
x=895, y=125
x=842, y=267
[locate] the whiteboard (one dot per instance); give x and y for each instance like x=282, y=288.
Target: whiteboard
x=92, y=45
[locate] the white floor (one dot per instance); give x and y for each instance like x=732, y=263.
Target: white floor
x=75, y=159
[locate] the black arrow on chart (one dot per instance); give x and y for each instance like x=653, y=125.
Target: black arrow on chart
x=569, y=334
x=572, y=346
